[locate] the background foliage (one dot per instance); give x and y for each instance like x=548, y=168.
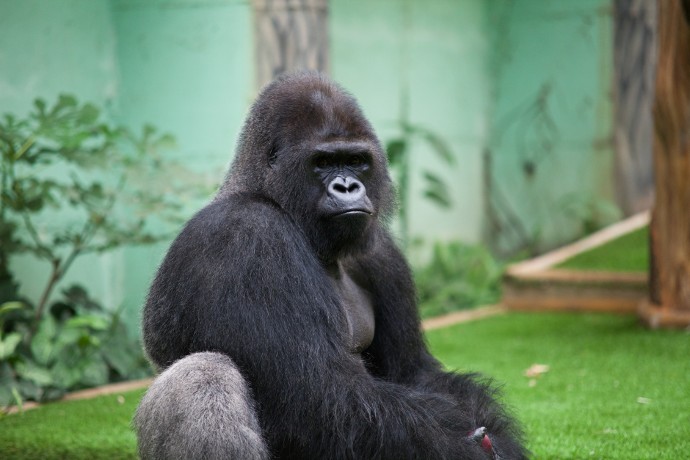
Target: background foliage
x=73, y=184
x=458, y=276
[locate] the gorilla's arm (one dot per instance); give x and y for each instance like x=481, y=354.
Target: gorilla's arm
x=398, y=352
x=242, y=280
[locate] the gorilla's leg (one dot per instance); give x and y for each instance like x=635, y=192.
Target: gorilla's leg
x=199, y=408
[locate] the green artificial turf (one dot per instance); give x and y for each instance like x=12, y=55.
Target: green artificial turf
x=96, y=428
x=629, y=253
x=614, y=391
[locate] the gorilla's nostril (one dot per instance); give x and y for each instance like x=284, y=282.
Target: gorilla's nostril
x=346, y=186
x=353, y=187
x=340, y=188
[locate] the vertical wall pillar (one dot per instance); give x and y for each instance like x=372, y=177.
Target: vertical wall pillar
x=634, y=52
x=289, y=35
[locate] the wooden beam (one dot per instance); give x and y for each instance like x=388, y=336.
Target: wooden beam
x=670, y=227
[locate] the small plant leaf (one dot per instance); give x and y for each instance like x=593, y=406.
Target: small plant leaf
x=40, y=105
x=11, y=306
x=437, y=190
x=66, y=375
x=439, y=198
x=8, y=344
x=88, y=114
x=18, y=399
x=88, y=321
x=42, y=342
x=441, y=148
x=95, y=373
x=395, y=149
x=37, y=374
x=66, y=100
x=433, y=179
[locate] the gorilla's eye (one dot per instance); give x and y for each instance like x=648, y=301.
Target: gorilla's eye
x=355, y=161
x=321, y=162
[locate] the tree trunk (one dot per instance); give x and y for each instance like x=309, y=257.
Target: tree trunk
x=289, y=35
x=669, y=301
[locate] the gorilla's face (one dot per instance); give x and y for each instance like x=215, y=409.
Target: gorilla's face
x=341, y=169
x=333, y=191
x=308, y=147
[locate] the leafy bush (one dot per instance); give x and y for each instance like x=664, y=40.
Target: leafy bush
x=458, y=276
x=77, y=344
x=72, y=184
x=589, y=211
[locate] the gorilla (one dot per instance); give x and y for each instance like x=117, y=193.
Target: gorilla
x=284, y=316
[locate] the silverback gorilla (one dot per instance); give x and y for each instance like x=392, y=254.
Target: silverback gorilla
x=284, y=316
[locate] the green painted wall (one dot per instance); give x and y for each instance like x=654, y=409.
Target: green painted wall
x=436, y=53
x=48, y=48
x=186, y=67
x=471, y=71
x=551, y=140
x=526, y=84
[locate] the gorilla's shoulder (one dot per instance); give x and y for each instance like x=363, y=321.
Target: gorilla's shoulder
x=235, y=212
x=243, y=228
x=234, y=223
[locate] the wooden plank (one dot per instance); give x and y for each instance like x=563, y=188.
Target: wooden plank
x=90, y=393
x=594, y=240
x=579, y=276
x=108, y=389
x=534, y=285
x=462, y=317
x=655, y=317
x=573, y=303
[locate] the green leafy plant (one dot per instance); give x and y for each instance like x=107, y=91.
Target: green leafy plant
x=399, y=152
x=77, y=344
x=458, y=276
x=73, y=184
x=591, y=212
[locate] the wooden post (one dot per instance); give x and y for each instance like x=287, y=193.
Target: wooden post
x=289, y=35
x=669, y=300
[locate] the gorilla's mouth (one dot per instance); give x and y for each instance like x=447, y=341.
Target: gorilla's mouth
x=354, y=213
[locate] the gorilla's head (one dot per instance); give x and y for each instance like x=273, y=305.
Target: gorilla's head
x=307, y=146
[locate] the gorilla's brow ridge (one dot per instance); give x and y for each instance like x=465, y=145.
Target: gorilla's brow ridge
x=341, y=145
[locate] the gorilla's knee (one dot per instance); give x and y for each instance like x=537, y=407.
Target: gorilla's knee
x=200, y=407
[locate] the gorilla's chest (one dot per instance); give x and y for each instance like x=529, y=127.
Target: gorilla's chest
x=359, y=311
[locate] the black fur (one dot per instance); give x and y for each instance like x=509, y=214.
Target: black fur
x=254, y=276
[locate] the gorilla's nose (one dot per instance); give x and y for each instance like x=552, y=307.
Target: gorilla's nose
x=346, y=189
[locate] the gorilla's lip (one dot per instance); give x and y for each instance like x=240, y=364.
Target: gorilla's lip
x=354, y=212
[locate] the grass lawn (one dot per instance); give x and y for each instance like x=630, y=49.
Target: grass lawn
x=96, y=428
x=629, y=253
x=613, y=391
